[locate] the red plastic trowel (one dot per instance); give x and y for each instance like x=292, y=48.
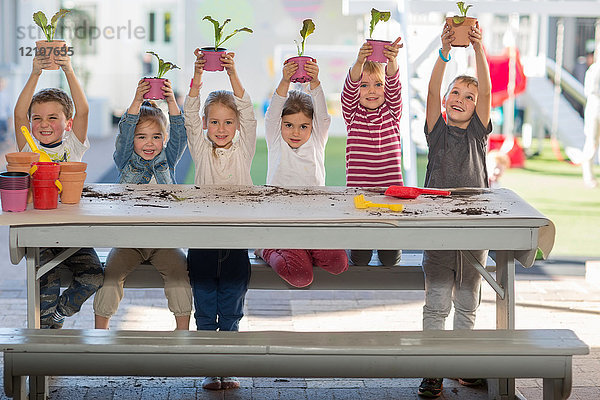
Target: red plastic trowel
x=407, y=192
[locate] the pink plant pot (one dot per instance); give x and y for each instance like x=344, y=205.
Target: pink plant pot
x=300, y=75
x=213, y=58
x=378, y=47
x=51, y=49
x=14, y=200
x=155, y=92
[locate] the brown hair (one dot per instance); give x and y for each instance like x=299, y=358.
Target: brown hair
x=53, y=94
x=375, y=68
x=296, y=102
x=469, y=80
x=223, y=97
x=149, y=112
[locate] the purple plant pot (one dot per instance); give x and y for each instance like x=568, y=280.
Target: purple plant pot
x=14, y=200
x=155, y=92
x=213, y=58
x=300, y=75
x=377, y=54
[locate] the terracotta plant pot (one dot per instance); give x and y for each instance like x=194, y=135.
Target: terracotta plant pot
x=21, y=157
x=155, y=92
x=300, y=75
x=72, y=166
x=50, y=48
x=461, y=31
x=213, y=58
x=377, y=54
x=72, y=186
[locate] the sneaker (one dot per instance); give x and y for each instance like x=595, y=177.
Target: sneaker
x=431, y=387
x=229, y=382
x=58, y=319
x=211, y=383
x=472, y=382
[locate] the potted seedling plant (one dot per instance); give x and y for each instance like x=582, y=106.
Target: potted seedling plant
x=378, y=45
x=50, y=47
x=212, y=55
x=158, y=81
x=308, y=27
x=461, y=25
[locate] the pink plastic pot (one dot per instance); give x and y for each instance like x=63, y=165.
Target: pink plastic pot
x=213, y=58
x=155, y=92
x=378, y=46
x=14, y=200
x=300, y=75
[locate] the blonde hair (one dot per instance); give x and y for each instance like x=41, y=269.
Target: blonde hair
x=375, y=68
x=149, y=112
x=296, y=102
x=467, y=79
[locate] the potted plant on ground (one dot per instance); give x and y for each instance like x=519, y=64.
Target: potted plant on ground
x=378, y=45
x=308, y=27
x=212, y=55
x=461, y=25
x=156, y=83
x=50, y=47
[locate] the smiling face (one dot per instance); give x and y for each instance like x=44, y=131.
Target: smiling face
x=371, y=91
x=49, y=122
x=221, y=123
x=296, y=129
x=148, y=140
x=460, y=103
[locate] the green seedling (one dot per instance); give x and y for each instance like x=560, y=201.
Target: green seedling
x=49, y=29
x=377, y=16
x=163, y=67
x=219, y=31
x=459, y=19
x=308, y=27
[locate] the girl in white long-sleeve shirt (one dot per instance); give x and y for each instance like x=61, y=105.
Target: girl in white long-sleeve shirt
x=296, y=127
x=219, y=278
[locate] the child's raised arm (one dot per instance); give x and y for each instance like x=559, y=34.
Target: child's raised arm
x=198, y=70
x=484, y=97
x=357, y=69
x=312, y=69
x=24, y=100
x=236, y=84
x=434, y=103
x=170, y=97
x=287, y=71
x=82, y=109
x=390, y=51
x=142, y=88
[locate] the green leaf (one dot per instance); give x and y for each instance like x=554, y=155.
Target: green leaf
x=40, y=19
x=377, y=16
x=219, y=30
x=462, y=9
x=61, y=13
x=308, y=27
x=163, y=67
x=235, y=32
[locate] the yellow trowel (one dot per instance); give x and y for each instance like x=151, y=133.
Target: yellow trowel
x=43, y=156
x=361, y=202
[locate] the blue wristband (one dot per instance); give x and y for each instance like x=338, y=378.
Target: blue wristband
x=443, y=58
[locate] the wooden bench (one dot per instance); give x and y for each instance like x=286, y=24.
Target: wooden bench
x=500, y=354
x=407, y=275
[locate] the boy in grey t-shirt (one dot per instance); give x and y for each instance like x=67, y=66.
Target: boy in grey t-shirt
x=457, y=152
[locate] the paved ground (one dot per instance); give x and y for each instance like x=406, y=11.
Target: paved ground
x=543, y=301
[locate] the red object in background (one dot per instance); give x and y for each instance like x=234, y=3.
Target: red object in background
x=499, y=75
x=510, y=147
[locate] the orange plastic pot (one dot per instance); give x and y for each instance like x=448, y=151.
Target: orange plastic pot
x=72, y=166
x=51, y=49
x=461, y=31
x=22, y=157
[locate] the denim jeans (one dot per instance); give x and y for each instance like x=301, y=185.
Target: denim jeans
x=88, y=276
x=219, y=280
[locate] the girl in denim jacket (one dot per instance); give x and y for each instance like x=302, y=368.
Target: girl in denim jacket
x=142, y=157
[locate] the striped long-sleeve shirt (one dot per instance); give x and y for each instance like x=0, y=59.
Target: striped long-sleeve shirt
x=373, y=154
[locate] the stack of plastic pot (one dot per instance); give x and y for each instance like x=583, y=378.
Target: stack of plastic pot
x=21, y=162
x=46, y=186
x=72, y=177
x=14, y=187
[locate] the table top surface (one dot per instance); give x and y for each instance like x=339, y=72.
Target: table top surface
x=264, y=205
